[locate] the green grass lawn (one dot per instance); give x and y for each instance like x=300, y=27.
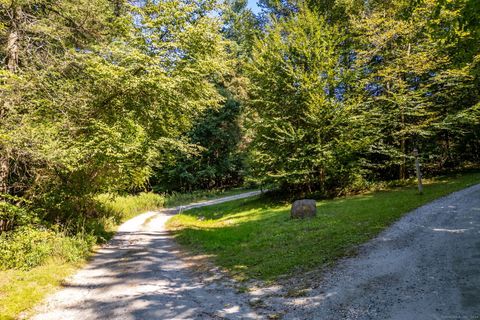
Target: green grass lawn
x=255, y=238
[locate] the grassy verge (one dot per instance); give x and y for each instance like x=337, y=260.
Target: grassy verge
x=20, y=290
x=178, y=199
x=255, y=238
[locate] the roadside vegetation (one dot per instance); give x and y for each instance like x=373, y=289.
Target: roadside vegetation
x=20, y=290
x=256, y=238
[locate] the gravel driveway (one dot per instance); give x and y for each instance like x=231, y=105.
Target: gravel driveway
x=139, y=275
x=426, y=266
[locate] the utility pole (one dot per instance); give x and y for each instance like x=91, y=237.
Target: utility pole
x=419, y=173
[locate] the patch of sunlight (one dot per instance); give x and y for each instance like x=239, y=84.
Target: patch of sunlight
x=450, y=230
x=252, y=215
x=232, y=310
x=240, y=267
x=340, y=200
x=363, y=197
x=240, y=215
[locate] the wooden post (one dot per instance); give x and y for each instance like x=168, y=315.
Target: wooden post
x=4, y=172
x=419, y=173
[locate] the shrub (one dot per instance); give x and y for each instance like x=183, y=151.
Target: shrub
x=27, y=247
x=13, y=215
x=30, y=245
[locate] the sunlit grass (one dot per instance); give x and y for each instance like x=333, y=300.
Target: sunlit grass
x=255, y=238
x=20, y=290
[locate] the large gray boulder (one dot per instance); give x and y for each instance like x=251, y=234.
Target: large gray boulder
x=305, y=208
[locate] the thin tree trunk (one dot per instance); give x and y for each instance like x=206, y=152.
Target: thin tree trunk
x=12, y=51
x=11, y=64
x=447, y=147
x=4, y=173
x=403, y=164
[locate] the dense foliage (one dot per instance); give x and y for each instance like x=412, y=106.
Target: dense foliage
x=217, y=163
x=94, y=92
x=303, y=127
x=335, y=102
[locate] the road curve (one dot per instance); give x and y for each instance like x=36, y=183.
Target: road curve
x=138, y=275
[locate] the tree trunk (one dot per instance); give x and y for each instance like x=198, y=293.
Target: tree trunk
x=11, y=64
x=13, y=39
x=12, y=51
x=403, y=164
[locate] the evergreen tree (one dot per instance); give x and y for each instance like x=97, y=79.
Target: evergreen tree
x=302, y=123
x=410, y=85
x=216, y=161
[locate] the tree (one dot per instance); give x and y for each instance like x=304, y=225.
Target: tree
x=410, y=84
x=217, y=159
x=240, y=26
x=279, y=8
x=456, y=86
x=302, y=121
x=334, y=11
x=101, y=95
x=32, y=32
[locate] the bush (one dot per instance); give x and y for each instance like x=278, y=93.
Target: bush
x=27, y=247
x=13, y=215
x=30, y=244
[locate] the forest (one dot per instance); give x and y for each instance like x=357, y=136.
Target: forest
x=113, y=100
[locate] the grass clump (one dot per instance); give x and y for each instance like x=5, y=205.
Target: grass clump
x=255, y=238
x=22, y=289
x=27, y=247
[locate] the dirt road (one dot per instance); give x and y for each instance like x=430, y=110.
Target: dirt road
x=139, y=275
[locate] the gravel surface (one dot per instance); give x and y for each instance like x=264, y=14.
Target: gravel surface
x=139, y=275
x=426, y=266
